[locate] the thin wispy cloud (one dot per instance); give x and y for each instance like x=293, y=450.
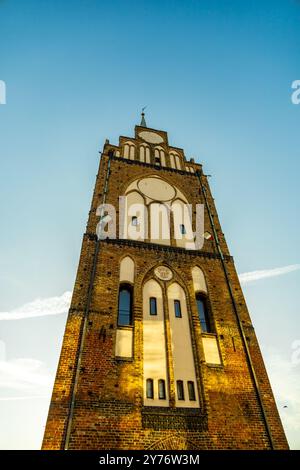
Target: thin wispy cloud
x=252, y=276
x=40, y=308
x=24, y=374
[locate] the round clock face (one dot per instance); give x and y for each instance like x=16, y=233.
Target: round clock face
x=151, y=137
x=163, y=273
x=156, y=189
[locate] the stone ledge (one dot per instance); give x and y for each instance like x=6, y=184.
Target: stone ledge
x=158, y=247
x=156, y=167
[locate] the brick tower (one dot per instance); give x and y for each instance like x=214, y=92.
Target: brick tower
x=159, y=351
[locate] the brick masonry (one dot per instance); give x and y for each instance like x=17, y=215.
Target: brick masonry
x=108, y=407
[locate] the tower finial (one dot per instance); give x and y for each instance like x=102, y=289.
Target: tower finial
x=143, y=121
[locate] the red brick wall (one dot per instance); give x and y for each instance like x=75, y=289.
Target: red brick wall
x=109, y=412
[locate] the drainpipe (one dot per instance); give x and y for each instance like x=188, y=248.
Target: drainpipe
x=85, y=323
x=235, y=308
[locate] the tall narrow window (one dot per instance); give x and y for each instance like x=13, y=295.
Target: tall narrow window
x=149, y=388
x=203, y=313
x=142, y=153
x=172, y=160
x=177, y=162
x=161, y=389
x=162, y=158
x=191, y=390
x=182, y=229
x=126, y=151
x=125, y=305
x=134, y=221
x=153, y=306
x=180, y=390
x=177, y=308
x=132, y=152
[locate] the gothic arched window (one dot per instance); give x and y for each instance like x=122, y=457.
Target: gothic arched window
x=191, y=390
x=203, y=312
x=161, y=389
x=180, y=390
x=125, y=305
x=129, y=150
x=149, y=388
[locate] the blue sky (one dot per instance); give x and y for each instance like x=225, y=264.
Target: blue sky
x=217, y=76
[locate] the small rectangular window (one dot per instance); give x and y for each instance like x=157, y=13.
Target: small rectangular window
x=153, y=306
x=134, y=221
x=161, y=389
x=203, y=313
x=177, y=308
x=182, y=229
x=125, y=305
x=180, y=390
x=149, y=388
x=191, y=390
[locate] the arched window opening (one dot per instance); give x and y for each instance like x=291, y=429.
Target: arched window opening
x=177, y=309
x=129, y=150
x=161, y=389
x=203, y=313
x=191, y=390
x=157, y=157
x=148, y=155
x=126, y=151
x=125, y=305
x=132, y=152
x=177, y=160
x=162, y=158
x=180, y=390
x=153, y=306
x=149, y=388
x=134, y=221
x=172, y=160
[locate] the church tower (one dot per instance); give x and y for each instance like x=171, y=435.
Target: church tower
x=159, y=351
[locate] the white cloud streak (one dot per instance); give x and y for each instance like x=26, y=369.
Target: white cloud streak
x=24, y=374
x=252, y=276
x=40, y=308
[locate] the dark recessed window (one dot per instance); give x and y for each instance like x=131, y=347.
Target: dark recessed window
x=161, y=389
x=125, y=305
x=157, y=160
x=191, y=390
x=182, y=229
x=203, y=313
x=134, y=221
x=153, y=306
x=177, y=308
x=149, y=388
x=180, y=390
